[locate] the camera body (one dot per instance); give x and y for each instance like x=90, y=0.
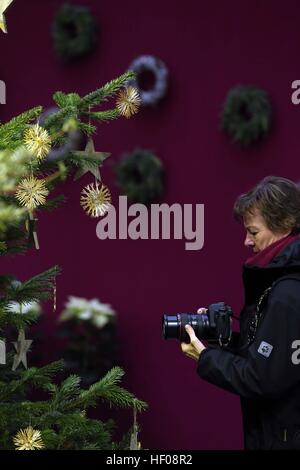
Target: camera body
x=215, y=325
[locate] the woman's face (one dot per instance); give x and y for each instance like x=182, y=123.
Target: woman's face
x=258, y=235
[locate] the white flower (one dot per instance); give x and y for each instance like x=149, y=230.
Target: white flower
x=85, y=315
x=94, y=310
x=100, y=320
x=76, y=302
x=99, y=307
x=95, y=304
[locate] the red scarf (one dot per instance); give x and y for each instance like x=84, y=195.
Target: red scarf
x=264, y=257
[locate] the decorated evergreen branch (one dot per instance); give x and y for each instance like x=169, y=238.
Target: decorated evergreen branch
x=11, y=132
x=39, y=287
x=61, y=419
x=58, y=418
x=72, y=106
x=14, y=292
x=37, y=151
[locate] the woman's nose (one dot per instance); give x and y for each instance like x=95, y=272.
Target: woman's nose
x=248, y=241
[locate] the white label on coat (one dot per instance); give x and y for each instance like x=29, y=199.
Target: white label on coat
x=296, y=354
x=265, y=349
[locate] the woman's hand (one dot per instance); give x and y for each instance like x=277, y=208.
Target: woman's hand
x=195, y=347
x=202, y=310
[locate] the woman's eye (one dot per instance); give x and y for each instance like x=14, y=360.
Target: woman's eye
x=253, y=234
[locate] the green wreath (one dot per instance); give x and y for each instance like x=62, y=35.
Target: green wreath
x=247, y=114
x=74, y=32
x=140, y=176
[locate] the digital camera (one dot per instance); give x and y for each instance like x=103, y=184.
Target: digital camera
x=214, y=325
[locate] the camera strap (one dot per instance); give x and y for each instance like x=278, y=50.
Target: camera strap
x=261, y=304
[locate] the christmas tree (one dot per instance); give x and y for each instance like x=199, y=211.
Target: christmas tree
x=37, y=151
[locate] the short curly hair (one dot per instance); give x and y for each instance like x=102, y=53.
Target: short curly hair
x=277, y=199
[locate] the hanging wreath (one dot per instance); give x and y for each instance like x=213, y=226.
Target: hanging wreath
x=74, y=32
x=247, y=114
x=151, y=79
x=140, y=176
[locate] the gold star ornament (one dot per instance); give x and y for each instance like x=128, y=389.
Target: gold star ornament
x=128, y=101
x=95, y=199
x=21, y=346
x=89, y=151
x=37, y=141
x=31, y=192
x=4, y=4
x=28, y=439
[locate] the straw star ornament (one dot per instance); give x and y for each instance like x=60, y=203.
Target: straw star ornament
x=128, y=101
x=37, y=141
x=28, y=439
x=32, y=192
x=4, y=4
x=95, y=199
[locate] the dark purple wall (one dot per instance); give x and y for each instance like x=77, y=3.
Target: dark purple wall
x=208, y=47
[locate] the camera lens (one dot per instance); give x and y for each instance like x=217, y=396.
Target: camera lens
x=174, y=326
x=215, y=326
x=171, y=326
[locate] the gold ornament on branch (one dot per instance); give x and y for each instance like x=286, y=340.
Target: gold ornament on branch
x=54, y=296
x=95, y=199
x=4, y=4
x=128, y=101
x=28, y=439
x=37, y=141
x=134, y=443
x=32, y=192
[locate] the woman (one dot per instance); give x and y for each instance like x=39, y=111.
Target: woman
x=264, y=368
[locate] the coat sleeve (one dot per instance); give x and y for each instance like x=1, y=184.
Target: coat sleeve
x=271, y=367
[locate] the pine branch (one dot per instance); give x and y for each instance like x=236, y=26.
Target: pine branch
x=71, y=104
x=3, y=247
x=12, y=131
x=68, y=391
x=88, y=129
x=25, y=408
x=17, y=320
x=39, y=377
x=57, y=119
x=37, y=288
x=50, y=439
x=66, y=99
x=107, y=389
x=59, y=98
x=108, y=115
x=113, y=376
x=87, y=161
x=102, y=94
x=15, y=240
x=75, y=432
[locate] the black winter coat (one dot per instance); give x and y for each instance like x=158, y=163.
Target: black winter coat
x=265, y=372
